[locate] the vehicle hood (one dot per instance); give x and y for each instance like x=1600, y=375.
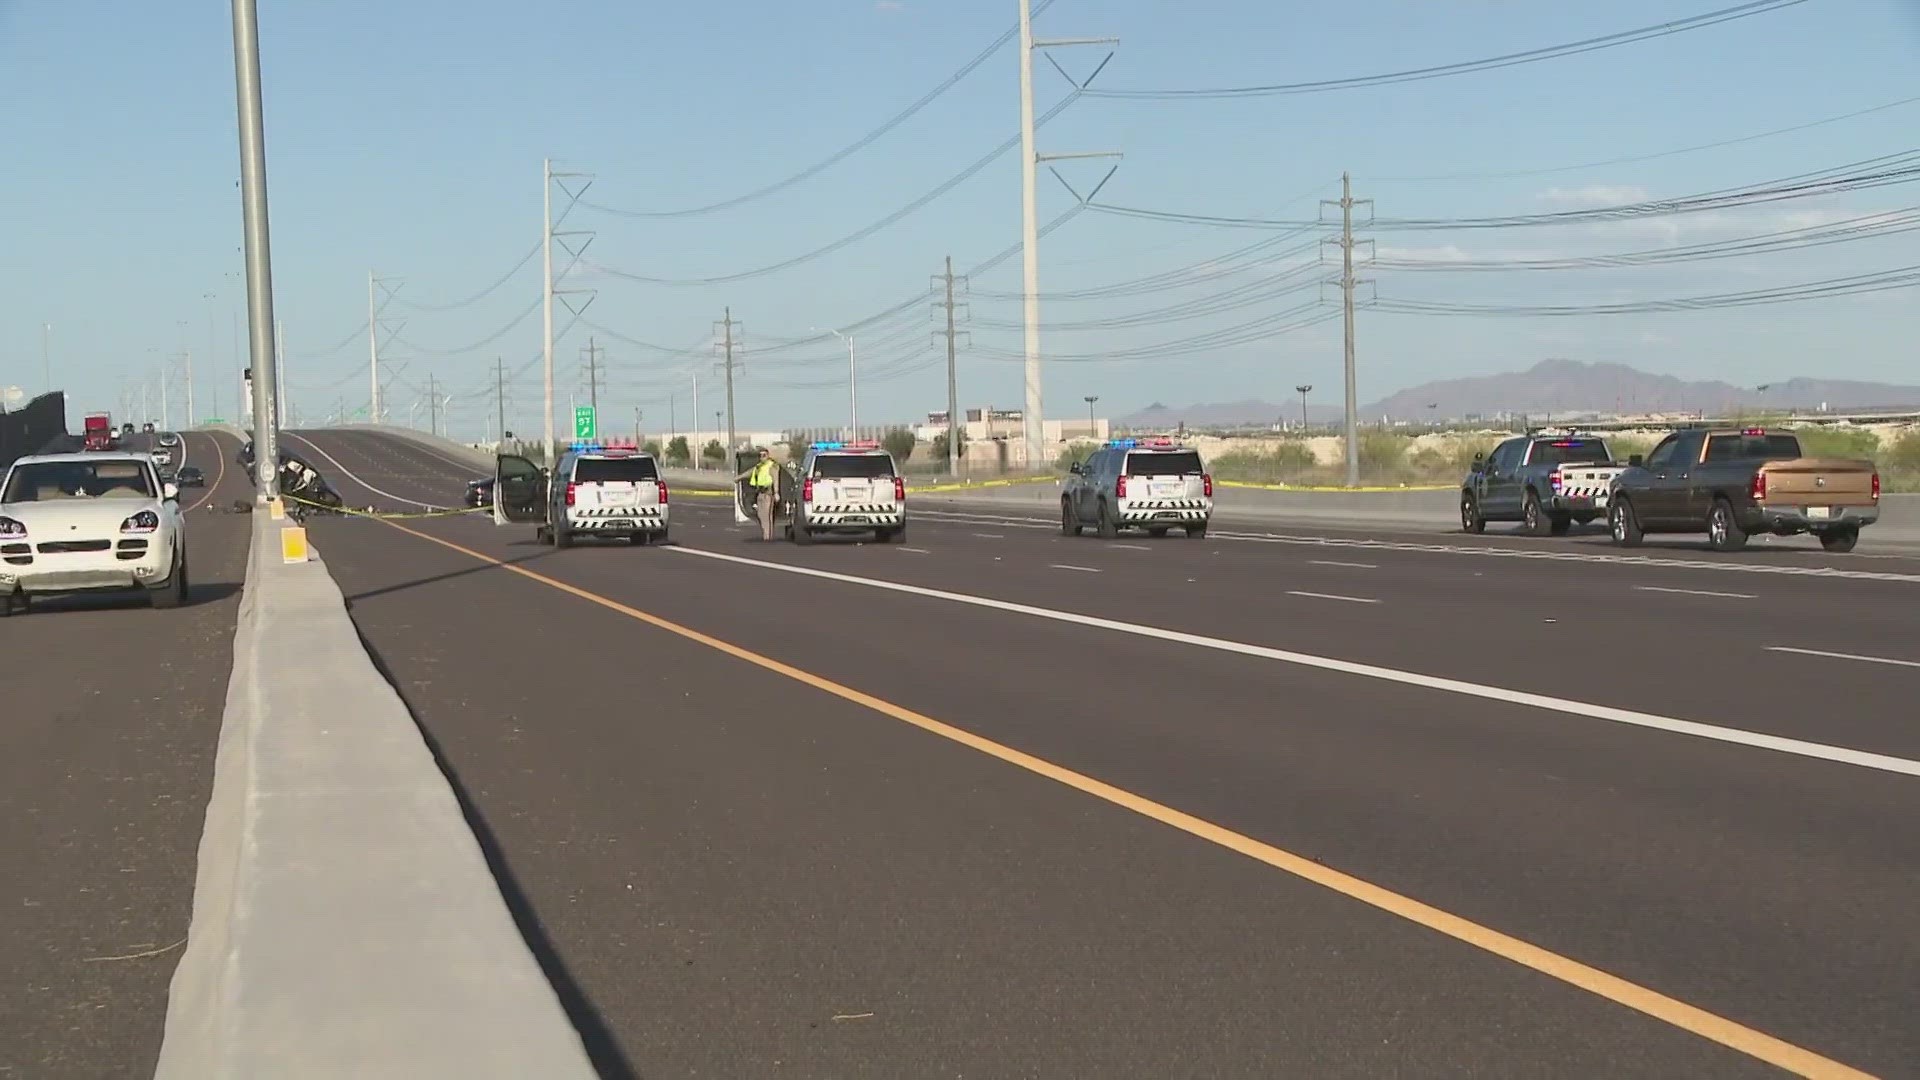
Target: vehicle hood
x=80, y=517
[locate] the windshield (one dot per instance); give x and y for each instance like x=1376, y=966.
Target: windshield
x=1569, y=451
x=852, y=466
x=49, y=481
x=1182, y=463
x=1752, y=448
x=614, y=470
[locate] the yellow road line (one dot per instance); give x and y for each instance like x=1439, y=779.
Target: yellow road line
x=1729, y=1033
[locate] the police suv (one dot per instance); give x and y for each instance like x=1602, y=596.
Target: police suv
x=609, y=489
x=1153, y=484
x=848, y=487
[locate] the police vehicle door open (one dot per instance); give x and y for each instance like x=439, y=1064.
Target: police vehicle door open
x=519, y=491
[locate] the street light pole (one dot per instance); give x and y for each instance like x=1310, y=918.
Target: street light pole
x=253, y=195
x=1303, y=388
x=1093, y=427
x=853, y=383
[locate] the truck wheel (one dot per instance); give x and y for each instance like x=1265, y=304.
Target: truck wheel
x=1471, y=520
x=1069, y=521
x=1723, y=532
x=1197, y=532
x=1107, y=529
x=1840, y=541
x=1533, y=517
x=1625, y=526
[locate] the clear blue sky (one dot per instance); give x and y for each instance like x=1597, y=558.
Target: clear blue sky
x=407, y=138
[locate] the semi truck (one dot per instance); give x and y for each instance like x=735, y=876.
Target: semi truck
x=98, y=432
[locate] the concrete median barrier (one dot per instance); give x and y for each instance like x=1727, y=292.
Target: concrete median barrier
x=345, y=921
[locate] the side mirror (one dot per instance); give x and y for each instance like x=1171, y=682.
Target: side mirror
x=1074, y=468
x=1479, y=456
x=1635, y=461
x=170, y=491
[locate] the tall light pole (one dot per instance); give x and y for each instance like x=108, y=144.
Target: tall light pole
x=253, y=197
x=853, y=384
x=1093, y=428
x=546, y=294
x=1304, y=389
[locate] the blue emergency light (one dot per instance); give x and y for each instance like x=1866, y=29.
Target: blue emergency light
x=828, y=445
x=1123, y=444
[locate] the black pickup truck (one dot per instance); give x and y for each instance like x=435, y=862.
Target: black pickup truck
x=1546, y=480
x=1738, y=482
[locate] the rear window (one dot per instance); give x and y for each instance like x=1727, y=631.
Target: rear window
x=1569, y=451
x=852, y=466
x=1752, y=448
x=1178, y=463
x=614, y=470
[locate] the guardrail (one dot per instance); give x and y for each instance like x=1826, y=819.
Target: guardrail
x=345, y=922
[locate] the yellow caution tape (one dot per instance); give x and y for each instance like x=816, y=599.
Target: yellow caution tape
x=383, y=515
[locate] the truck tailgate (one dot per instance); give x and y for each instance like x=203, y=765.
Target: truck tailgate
x=1819, y=482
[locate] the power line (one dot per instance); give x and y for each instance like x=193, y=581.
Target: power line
x=1637, y=158
x=844, y=152
x=1467, y=67
x=477, y=345
x=483, y=293
x=1901, y=277
x=858, y=235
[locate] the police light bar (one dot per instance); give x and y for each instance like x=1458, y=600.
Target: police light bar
x=857, y=444
x=611, y=446
x=1157, y=442
x=1754, y=431
x=1123, y=444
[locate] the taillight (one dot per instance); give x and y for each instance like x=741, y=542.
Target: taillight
x=1757, y=491
x=1120, y=487
x=571, y=489
x=900, y=488
x=806, y=490
x=663, y=493
x=1876, y=487
x=1557, y=481
x=1206, y=484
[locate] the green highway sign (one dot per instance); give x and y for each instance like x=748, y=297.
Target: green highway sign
x=583, y=422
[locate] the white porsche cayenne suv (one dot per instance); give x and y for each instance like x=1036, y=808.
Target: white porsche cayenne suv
x=90, y=522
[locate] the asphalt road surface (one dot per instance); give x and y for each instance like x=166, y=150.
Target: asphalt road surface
x=995, y=802
x=112, y=712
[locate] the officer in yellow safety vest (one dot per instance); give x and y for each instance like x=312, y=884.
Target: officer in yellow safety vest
x=761, y=478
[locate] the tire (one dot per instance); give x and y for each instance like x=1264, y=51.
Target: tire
x=562, y=538
x=174, y=592
x=13, y=603
x=1723, y=531
x=1069, y=521
x=640, y=538
x=1106, y=528
x=1840, y=541
x=1471, y=520
x=801, y=535
x=1624, y=524
x=1196, y=532
x=542, y=535
x=1158, y=532
x=1533, y=517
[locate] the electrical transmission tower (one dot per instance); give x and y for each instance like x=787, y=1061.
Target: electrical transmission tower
x=950, y=287
x=575, y=243
x=1345, y=242
x=380, y=293
x=1034, y=425
x=591, y=351
x=727, y=346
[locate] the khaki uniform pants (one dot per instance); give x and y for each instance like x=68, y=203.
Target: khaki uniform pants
x=763, y=505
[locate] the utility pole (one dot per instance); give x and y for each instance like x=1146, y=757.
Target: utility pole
x=548, y=291
x=636, y=425
x=726, y=346
x=433, y=406
x=253, y=199
x=946, y=282
x=1030, y=159
x=46, y=352
x=1304, y=388
x=1346, y=204
x=593, y=380
x=693, y=450
x=373, y=352
x=188, y=353
x=500, y=396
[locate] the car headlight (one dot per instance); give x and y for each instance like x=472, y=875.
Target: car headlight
x=145, y=521
x=12, y=528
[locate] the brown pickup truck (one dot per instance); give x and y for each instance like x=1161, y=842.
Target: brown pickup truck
x=1736, y=482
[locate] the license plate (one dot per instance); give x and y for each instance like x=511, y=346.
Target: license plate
x=861, y=518
x=1819, y=513
x=620, y=523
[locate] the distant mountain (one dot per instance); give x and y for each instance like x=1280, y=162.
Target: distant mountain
x=1552, y=387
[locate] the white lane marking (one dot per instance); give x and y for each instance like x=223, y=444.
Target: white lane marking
x=1331, y=596
x=1695, y=592
x=348, y=473
x=1064, y=566
x=917, y=551
x=991, y=536
x=1131, y=547
x=1844, y=656
x=1550, y=554
x=1714, y=732
x=1352, y=565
